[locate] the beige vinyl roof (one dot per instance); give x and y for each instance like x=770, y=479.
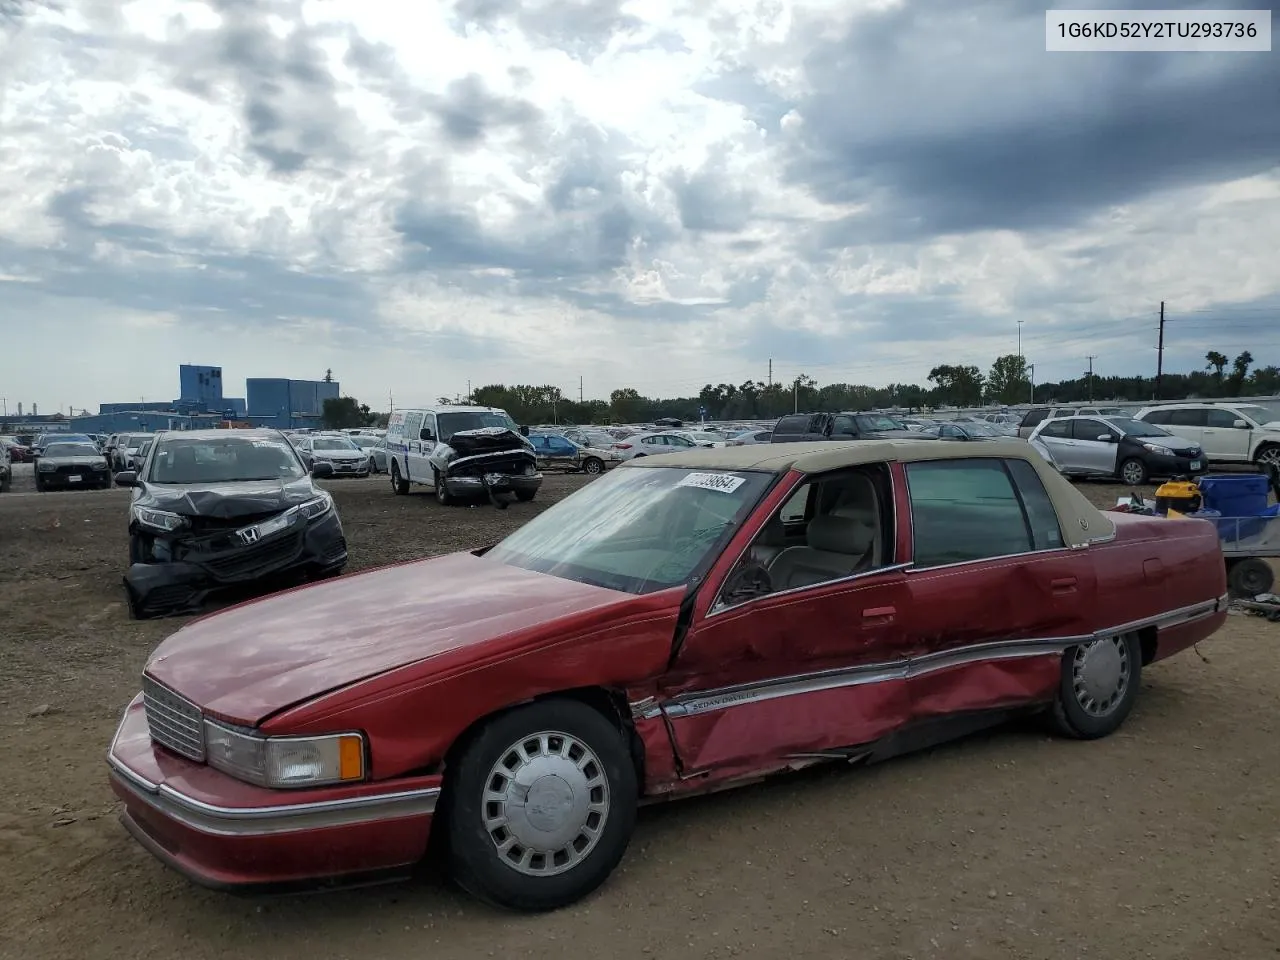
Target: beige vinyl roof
x=1081, y=521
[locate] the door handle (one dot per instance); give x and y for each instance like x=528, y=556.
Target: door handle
x=1063, y=585
x=875, y=615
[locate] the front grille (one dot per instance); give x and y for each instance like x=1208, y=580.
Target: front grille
x=175, y=722
x=254, y=561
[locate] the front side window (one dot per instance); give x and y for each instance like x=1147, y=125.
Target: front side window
x=1223, y=419
x=1091, y=430
x=636, y=530
x=872, y=422
x=966, y=510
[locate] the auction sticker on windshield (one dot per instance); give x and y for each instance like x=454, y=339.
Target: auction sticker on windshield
x=724, y=482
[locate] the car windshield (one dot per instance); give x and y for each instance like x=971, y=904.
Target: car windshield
x=364, y=443
x=224, y=460
x=1260, y=412
x=1138, y=428
x=877, y=422
x=451, y=423
x=636, y=530
x=333, y=443
x=55, y=450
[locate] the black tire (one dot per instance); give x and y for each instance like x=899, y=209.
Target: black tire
x=1133, y=472
x=443, y=496
x=1071, y=713
x=475, y=861
x=593, y=466
x=525, y=496
x=4, y=484
x=398, y=487
x=1250, y=576
x=39, y=484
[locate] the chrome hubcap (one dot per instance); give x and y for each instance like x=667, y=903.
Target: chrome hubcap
x=1100, y=675
x=1270, y=456
x=1132, y=473
x=545, y=805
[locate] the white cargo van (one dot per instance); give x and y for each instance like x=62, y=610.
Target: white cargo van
x=460, y=451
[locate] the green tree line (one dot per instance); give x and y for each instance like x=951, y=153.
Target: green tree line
x=1008, y=382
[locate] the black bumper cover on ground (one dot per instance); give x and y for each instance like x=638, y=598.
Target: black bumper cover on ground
x=180, y=587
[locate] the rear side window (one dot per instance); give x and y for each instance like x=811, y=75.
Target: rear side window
x=1057, y=428
x=792, y=424
x=1033, y=418
x=1042, y=518
x=1188, y=418
x=965, y=510
x=1155, y=416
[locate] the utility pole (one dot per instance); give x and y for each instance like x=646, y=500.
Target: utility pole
x=1020, y=323
x=1160, y=352
x=796, y=395
x=1091, y=359
x=468, y=391
x=1032, y=368
x=770, y=383
x=391, y=403
x=579, y=389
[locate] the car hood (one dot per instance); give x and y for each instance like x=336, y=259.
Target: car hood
x=253, y=660
x=226, y=501
x=468, y=443
x=1176, y=444
x=1272, y=426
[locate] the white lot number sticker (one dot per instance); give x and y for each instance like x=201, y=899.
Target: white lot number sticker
x=724, y=482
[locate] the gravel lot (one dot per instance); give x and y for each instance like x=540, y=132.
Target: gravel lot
x=1162, y=841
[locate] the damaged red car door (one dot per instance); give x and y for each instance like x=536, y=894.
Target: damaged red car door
x=810, y=662
x=996, y=593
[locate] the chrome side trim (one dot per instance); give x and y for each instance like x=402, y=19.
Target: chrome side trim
x=263, y=821
x=722, y=698
x=716, y=610
x=686, y=705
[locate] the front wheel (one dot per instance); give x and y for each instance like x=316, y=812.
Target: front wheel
x=542, y=805
x=1099, y=686
x=443, y=496
x=1133, y=472
x=1269, y=455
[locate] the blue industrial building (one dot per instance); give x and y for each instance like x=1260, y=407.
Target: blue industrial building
x=268, y=402
x=275, y=402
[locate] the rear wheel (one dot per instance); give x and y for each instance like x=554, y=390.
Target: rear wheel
x=542, y=805
x=1133, y=472
x=39, y=483
x=524, y=496
x=1249, y=577
x=1098, y=687
x=398, y=485
x=593, y=466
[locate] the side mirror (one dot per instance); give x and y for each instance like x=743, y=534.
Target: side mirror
x=426, y=434
x=127, y=478
x=524, y=430
x=1106, y=438
x=1240, y=424
x=321, y=470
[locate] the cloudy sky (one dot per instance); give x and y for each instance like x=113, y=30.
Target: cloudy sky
x=654, y=193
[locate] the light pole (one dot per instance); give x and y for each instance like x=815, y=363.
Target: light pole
x=1020, y=323
x=1032, y=368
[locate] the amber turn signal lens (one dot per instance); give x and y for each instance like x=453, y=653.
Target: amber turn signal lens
x=351, y=758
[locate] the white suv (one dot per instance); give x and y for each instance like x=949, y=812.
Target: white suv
x=1228, y=432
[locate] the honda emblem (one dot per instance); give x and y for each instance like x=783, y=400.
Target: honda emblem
x=249, y=535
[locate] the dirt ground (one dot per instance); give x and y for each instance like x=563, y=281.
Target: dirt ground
x=1162, y=841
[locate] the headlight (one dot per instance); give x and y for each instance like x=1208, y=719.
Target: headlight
x=159, y=519
x=1157, y=449
x=316, y=508
x=47, y=467
x=281, y=762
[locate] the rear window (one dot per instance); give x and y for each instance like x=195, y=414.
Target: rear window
x=793, y=424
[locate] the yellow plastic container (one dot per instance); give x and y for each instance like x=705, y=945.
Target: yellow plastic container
x=1178, y=497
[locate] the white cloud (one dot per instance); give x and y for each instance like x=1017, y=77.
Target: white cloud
x=656, y=195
